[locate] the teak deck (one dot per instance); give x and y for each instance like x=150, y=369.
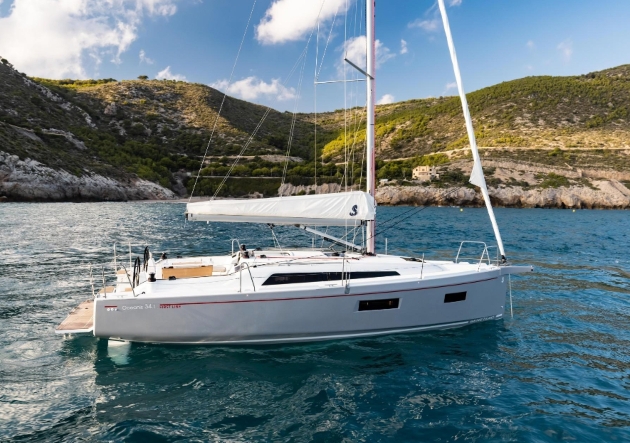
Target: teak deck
x=80, y=319
x=187, y=272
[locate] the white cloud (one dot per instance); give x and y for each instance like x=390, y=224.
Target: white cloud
x=529, y=67
x=426, y=25
x=166, y=74
x=432, y=20
x=403, y=47
x=354, y=50
x=290, y=20
x=566, y=49
x=386, y=100
x=530, y=44
x=60, y=38
x=251, y=88
x=144, y=58
x=449, y=86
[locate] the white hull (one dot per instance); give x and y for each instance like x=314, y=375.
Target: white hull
x=211, y=310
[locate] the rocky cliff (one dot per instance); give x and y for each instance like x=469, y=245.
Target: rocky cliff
x=29, y=180
x=608, y=194
x=602, y=194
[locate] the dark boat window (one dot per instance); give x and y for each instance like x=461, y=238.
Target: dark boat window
x=378, y=305
x=312, y=277
x=455, y=296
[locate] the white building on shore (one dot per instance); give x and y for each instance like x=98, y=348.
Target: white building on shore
x=425, y=173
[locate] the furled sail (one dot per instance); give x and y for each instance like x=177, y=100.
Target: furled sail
x=476, y=177
x=342, y=209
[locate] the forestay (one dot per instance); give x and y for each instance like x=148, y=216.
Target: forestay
x=342, y=209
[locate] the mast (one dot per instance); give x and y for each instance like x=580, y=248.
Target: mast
x=370, y=82
x=476, y=177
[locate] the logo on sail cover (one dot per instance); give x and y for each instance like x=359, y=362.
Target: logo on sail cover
x=354, y=211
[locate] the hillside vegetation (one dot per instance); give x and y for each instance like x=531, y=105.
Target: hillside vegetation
x=158, y=130
x=587, y=111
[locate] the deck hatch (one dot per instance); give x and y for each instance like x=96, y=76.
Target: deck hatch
x=455, y=296
x=312, y=277
x=379, y=305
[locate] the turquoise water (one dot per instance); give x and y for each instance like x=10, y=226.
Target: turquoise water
x=558, y=371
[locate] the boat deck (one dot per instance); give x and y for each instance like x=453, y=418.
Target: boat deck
x=80, y=319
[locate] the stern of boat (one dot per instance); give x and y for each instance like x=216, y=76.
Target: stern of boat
x=79, y=321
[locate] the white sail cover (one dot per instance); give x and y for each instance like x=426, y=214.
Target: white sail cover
x=342, y=209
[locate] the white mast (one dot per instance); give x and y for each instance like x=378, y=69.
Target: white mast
x=371, y=171
x=476, y=177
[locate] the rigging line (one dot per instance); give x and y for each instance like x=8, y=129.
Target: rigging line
x=345, y=105
x=419, y=209
x=245, y=146
x=315, y=96
x=385, y=229
x=315, y=102
x=292, y=129
x=386, y=222
x=364, y=112
x=216, y=120
x=317, y=73
x=355, y=141
x=357, y=124
x=327, y=43
x=253, y=134
x=356, y=130
x=294, y=117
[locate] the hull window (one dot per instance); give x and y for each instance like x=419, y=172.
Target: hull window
x=455, y=296
x=312, y=277
x=378, y=305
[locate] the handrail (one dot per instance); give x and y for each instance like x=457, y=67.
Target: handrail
x=469, y=241
x=422, y=267
x=92, y=281
x=238, y=242
x=129, y=280
x=484, y=253
x=345, y=276
x=240, y=277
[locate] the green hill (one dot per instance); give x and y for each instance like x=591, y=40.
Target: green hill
x=587, y=111
x=159, y=129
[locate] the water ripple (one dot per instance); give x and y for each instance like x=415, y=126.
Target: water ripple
x=559, y=370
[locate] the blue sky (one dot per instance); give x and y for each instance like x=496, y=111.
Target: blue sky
x=197, y=40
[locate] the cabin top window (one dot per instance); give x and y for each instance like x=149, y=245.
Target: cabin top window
x=313, y=277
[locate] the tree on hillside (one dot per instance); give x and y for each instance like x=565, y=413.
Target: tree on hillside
x=143, y=77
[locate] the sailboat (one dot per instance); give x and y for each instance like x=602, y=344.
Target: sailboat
x=279, y=295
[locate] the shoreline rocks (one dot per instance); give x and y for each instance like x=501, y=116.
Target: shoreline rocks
x=30, y=181
x=610, y=194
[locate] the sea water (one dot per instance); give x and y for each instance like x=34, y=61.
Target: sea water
x=558, y=370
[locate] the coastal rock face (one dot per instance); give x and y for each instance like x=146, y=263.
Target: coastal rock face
x=426, y=196
x=29, y=180
x=610, y=194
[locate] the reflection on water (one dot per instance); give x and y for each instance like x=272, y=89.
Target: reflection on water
x=118, y=351
x=303, y=392
x=559, y=370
